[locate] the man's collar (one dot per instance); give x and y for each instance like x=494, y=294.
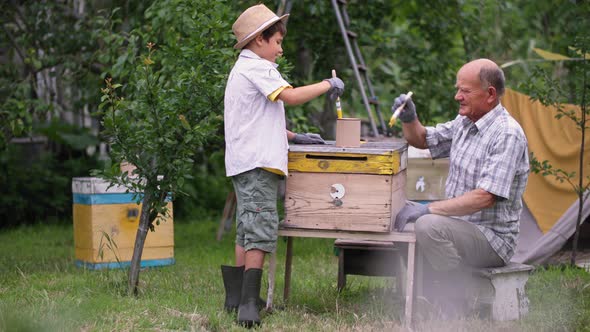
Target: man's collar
x=489, y=118
x=486, y=120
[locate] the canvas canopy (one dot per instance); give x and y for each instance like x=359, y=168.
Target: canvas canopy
x=551, y=207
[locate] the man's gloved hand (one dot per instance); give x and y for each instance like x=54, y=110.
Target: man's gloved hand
x=410, y=213
x=336, y=89
x=408, y=113
x=308, y=138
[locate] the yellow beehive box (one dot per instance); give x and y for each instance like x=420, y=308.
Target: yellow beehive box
x=347, y=189
x=105, y=226
x=426, y=176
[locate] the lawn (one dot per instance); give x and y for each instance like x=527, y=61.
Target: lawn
x=42, y=290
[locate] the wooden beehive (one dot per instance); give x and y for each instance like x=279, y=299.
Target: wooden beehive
x=347, y=189
x=105, y=226
x=427, y=177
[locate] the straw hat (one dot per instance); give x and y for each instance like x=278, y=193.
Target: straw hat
x=252, y=22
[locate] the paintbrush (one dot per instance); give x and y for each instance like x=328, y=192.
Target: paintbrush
x=398, y=110
x=338, y=106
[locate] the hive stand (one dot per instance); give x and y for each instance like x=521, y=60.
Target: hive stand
x=509, y=301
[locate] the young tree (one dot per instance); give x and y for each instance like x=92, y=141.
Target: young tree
x=553, y=91
x=172, y=105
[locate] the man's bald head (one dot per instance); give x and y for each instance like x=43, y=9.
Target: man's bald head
x=489, y=74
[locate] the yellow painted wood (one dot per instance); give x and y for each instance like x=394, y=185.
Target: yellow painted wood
x=92, y=222
x=356, y=163
x=90, y=255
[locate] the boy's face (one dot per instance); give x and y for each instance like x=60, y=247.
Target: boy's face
x=271, y=49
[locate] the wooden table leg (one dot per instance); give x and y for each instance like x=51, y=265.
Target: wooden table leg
x=272, y=267
x=341, y=274
x=288, y=262
x=410, y=283
x=419, y=275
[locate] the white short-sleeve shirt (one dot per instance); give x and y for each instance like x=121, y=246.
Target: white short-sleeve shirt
x=255, y=127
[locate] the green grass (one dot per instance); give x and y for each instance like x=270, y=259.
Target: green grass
x=42, y=290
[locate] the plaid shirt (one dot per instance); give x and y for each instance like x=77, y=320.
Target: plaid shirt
x=490, y=154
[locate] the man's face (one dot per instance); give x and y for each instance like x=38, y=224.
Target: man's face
x=272, y=49
x=470, y=95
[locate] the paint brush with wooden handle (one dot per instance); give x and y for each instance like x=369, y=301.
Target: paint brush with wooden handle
x=338, y=106
x=398, y=110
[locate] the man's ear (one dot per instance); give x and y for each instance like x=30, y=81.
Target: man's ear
x=493, y=94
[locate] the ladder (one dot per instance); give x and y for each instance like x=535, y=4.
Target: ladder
x=358, y=65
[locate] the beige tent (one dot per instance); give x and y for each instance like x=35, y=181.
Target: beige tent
x=551, y=207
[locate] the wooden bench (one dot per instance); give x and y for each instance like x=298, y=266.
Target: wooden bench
x=366, y=258
x=509, y=301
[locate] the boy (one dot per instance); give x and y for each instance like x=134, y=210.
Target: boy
x=257, y=148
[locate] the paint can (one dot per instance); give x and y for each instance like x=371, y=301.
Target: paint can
x=348, y=132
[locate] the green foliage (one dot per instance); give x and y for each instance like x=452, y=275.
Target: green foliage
x=208, y=189
x=555, y=91
x=408, y=45
x=174, y=96
x=568, y=82
x=40, y=192
x=559, y=299
x=48, y=45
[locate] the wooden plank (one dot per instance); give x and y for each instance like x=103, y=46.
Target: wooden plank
x=82, y=225
x=288, y=265
x=391, y=236
x=410, y=284
x=511, y=267
x=90, y=221
x=426, y=179
x=272, y=268
x=91, y=255
x=364, y=244
x=365, y=148
x=324, y=162
x=366, y=204
x=398, y=195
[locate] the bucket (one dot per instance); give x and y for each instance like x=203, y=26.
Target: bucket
x=348, y=132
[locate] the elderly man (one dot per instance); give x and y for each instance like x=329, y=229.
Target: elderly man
x=478, y=222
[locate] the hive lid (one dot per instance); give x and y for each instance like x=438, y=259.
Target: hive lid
x=94, y=185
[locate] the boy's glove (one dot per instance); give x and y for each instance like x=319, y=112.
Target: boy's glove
x=336, y=89
x=408, y=113
x=308, y=138
x=410, y=213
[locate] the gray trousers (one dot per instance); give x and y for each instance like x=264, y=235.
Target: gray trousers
x=448, y=243
x=451, y=248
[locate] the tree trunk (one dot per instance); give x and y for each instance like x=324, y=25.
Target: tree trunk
x=144, y=223
x=581, y=191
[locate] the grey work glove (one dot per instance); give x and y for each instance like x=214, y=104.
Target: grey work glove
x=336, y=89
x=308, y=138
x=408, y=113
x=410, y=213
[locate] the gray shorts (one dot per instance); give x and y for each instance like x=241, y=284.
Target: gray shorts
x=257, y=221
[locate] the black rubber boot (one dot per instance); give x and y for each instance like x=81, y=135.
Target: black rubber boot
x=248, y=315
x=232, y=281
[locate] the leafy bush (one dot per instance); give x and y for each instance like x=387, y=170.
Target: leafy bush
x=38, y=189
